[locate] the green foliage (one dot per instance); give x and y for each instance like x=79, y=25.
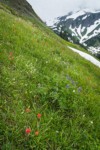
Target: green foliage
x=84, y=32
x=38, y=72
x=94, y=41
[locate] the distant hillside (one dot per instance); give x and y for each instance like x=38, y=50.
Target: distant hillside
x=22, y=6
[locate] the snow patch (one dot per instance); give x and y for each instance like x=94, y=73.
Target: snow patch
x=84, y=17
x=82, y=30
x=94, y=50
x=86, y=56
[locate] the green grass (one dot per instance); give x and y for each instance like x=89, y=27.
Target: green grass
x=39, y=72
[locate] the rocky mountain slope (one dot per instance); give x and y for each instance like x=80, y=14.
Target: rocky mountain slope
x=21, y=6
x=81, y=27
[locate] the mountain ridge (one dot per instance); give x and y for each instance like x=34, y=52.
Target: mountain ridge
x=22, y=7
x=79, y=27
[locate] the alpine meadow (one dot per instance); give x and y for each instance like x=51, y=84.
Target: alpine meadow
x=49, y=95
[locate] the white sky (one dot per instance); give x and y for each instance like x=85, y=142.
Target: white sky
x=49, y=9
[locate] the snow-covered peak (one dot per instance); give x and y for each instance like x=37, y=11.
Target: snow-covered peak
x=72, y=15
x=75, y=15
x=82, y=12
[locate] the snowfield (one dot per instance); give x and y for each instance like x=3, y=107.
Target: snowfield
x=86, y=56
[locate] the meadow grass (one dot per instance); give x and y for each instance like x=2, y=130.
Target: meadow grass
x=40, y=75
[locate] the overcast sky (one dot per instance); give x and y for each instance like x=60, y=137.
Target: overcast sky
x=49, y=9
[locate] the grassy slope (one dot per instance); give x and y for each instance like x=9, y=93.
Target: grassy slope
x=39, y=72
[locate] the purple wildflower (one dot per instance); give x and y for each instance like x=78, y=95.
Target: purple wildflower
x=67, y=86
x=79, y=89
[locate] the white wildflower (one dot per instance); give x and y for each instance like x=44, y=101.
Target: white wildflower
x=73, y=91
x=91, y=122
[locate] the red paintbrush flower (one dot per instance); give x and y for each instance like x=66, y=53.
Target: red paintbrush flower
x=28, y=131
x=37, y=133
x=39, y=116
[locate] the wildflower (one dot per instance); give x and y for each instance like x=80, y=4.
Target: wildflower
x=79, y=89
x=27, y=110
x=68, y=77
x=11, y=56
x=57, y=131
x=39, y=116
x=67, y=86
x=36, y=133
x=73, y=82
x=91, y=122
x=28, y=130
